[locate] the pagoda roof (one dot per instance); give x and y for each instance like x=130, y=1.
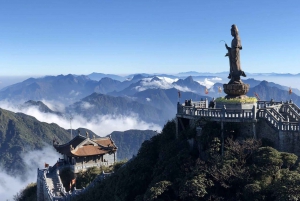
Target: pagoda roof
x=81, y=146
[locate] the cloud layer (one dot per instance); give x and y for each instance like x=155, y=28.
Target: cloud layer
x=101, y=124
x=10, y=185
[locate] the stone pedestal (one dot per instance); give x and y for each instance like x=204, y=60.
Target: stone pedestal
x=235, y=106
x=236, y=90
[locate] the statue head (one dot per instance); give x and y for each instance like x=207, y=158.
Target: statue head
x=234, y=30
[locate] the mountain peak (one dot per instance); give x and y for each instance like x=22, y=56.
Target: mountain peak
x=264, y=83
x=189, y=79
x=138, y=77
x=155, y=79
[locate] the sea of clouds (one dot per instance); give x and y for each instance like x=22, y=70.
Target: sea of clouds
x=102, y=125
x=10, y=185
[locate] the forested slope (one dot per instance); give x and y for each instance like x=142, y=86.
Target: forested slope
x=20, y=133
x=168, y=169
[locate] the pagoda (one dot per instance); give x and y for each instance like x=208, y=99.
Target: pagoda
x=83, y=152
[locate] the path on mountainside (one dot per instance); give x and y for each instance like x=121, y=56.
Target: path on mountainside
x=53, y=183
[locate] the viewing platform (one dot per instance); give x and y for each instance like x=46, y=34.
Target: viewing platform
x=283, y=116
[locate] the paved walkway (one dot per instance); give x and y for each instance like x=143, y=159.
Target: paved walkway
x=53, y=183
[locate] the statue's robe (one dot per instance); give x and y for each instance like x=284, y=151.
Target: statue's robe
x=234, y=60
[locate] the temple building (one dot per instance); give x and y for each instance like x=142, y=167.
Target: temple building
x=82, y=152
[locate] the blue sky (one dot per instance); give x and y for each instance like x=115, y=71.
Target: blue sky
x=150, y=36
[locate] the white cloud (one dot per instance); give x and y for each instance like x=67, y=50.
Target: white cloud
x=10, y=185
x=54, y=105
x=101, y=125
x=74, y=93
x=184, y=89
x=207, y=83
x=162, y=83
x=217, y=79
x=148, y=83
x=169, y=80
x=86, y=105
x=148, y=99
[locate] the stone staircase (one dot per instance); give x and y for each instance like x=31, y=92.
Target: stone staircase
x=50, y=188
x=53, y=183
x=282, y=117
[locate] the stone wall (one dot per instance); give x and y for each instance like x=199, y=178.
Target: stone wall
x=44, y=193
x=264, y=130
x=289, y=142
x=109, y=158
x=286, y=141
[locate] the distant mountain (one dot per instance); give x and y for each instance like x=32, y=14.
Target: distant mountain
x=40, y=106
x=164, y=83
x=62, y=88
x=266, y=91
x=106, y=85
x=10, y=80
x=82, y=131
x=69, y=89
x=189, y=84
x=141, y=84
x=129, y=142
x=20, y=133
x=159, y=99
x=100, y=104
x=196, y=74
x=285, y=88
x=131, y=80
x=166, y=99
x=252, y=82
x=99, y=76
x=138, y=76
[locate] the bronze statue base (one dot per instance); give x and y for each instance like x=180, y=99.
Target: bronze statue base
x=236, y=90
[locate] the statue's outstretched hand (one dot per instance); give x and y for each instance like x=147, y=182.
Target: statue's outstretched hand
x=226, y=46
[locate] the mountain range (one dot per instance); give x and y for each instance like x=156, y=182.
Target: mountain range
x=152, y=98
x=21, y=133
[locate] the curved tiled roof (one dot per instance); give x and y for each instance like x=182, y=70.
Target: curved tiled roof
x=82, y=146
x=89, y=150
x=105, y=142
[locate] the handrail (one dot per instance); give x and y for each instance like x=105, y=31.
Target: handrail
x=65, y=196
x=296, y=108
x=275, y=113
x=290, y=110
x=279, y=124
x=217, y=112
x=265, y=104
x=270, y=114
x=267, y=115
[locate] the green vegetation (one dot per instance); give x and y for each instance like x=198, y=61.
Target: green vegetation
x=20, y=133
x=168, y=169
x=27, y=194
x=66, y=176
x=237, y=100
x=83, y=179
